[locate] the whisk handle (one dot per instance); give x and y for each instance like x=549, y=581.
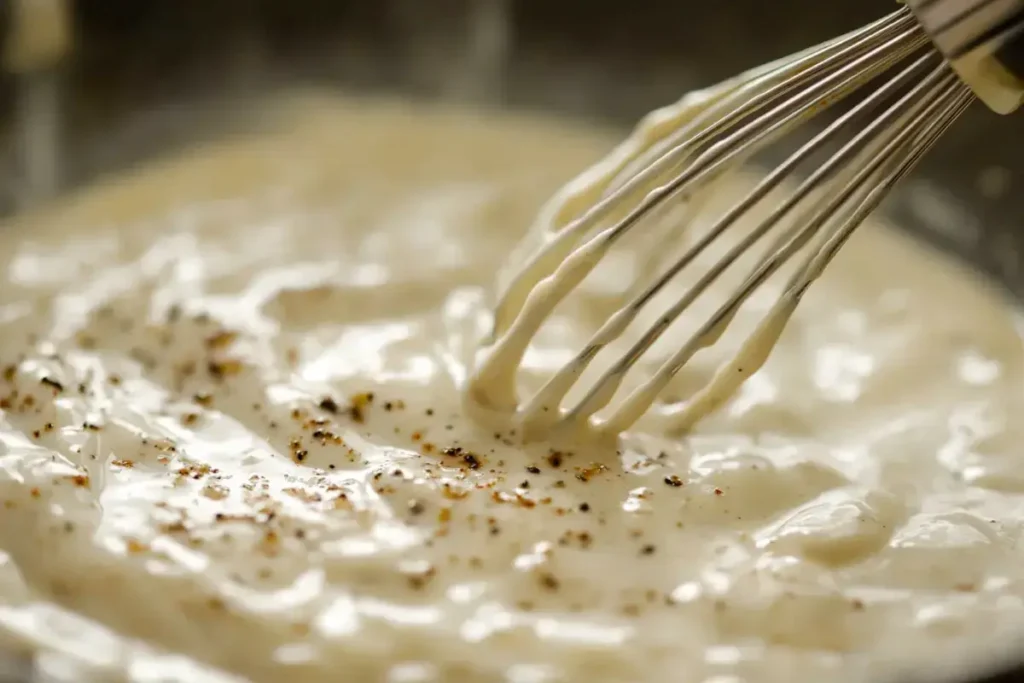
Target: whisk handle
x=984, y=41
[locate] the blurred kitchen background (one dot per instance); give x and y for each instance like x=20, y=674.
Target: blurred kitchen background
x=89, y=85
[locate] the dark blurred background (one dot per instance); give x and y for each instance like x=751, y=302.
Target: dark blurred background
x=140, y=68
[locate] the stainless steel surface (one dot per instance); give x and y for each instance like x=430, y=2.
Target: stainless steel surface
x=962, y=27
x=146, y=76
x=978, y=37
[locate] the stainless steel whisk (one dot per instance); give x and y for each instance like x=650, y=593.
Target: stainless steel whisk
x=931, y=58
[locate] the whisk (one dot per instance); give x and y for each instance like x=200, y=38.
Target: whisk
x=914, y=71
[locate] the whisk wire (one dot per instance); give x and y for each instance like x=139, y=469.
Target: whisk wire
x=958, y=98
x=945, y=98
x=729, y=376
x=554, y=390
x=833, y=75
x=752, y=97
x=555, y=262
x=906, y=113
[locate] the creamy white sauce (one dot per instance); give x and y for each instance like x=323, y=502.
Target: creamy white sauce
x=196, y=485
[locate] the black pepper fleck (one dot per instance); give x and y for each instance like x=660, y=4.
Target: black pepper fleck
x=330, y=405
x=52, y=383
x=549, y=581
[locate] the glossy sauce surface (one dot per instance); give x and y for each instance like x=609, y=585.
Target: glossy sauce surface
x=233, y=444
